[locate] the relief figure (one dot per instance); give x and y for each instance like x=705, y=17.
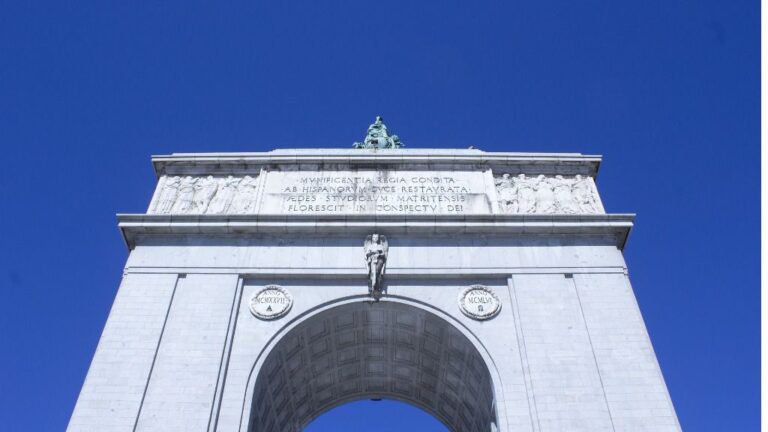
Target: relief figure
x=245, y=200
x=167, y=195
x=205, y=189
x=584, y=195
x=526, y=195
x=224, y=195
x=507, y=194
x=564, y=196
x=185, y=202
x=545, y=196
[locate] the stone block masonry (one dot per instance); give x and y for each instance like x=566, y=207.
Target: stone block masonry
x=561, y=347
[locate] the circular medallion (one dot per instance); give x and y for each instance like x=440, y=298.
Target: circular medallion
x=271, y=302
x=479, y=302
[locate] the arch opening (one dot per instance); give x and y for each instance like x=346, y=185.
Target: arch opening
x=382, y=415
x=380, y=350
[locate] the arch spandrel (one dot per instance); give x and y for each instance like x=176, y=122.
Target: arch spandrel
x=360, y=350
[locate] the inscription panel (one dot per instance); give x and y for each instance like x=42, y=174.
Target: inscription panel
x=271, y=302
x=479, y=302
x=376, y=192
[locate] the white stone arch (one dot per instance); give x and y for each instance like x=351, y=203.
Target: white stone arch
x=496, y=388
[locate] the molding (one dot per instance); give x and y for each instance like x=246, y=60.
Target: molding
x=359, y=273
x=230, y=163
x=616, y=226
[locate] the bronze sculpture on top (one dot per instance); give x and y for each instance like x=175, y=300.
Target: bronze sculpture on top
x=378, y=137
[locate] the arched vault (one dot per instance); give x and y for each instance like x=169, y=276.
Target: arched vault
x=373, y=350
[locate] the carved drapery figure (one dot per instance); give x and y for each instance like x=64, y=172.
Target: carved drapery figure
x=376, y=250
x=547, y=195
x=245, y=200
x=223, y=198
x=205, y=189
x=564, y=197
x=185, y=201
x=378, y=137
x=526, y=194
x=167, y=196
x=582, y=190
x=507, y=194
x=206, y=195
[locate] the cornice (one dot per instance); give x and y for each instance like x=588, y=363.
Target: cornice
x=617, y=226
x=210, y=163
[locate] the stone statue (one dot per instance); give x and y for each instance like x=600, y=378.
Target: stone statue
x=376, y=250
x=378, y=137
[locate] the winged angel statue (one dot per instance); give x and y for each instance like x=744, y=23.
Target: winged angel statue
x=376, y=250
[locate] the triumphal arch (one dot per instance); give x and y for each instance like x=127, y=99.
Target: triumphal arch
x=263, y=289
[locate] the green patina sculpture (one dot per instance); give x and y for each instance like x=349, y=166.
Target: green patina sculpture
x=379, y=138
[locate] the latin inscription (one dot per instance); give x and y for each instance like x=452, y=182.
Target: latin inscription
x=271, y=302
x=479, y=302
x=376, y=192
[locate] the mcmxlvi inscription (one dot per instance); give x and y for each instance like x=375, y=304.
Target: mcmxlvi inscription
x=378, y=192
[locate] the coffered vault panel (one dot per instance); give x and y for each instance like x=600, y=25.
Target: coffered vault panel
x=373, y=350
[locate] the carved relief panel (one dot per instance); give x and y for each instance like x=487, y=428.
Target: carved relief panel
x=519, y=194
x=547, y=195
x=206, y=195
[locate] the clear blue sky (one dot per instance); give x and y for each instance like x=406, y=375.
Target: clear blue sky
x=666, y=90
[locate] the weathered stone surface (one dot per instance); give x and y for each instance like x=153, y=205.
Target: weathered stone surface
x=391, y=182
x=566, y=351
